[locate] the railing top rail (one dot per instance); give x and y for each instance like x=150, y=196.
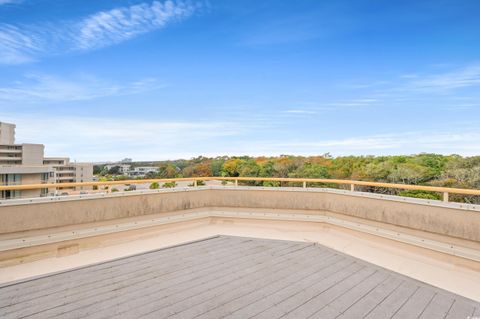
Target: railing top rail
x=463, y=191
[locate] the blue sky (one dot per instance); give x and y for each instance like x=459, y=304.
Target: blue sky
x=104, y=80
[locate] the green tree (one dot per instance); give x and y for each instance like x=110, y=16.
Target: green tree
x=311, y=170
x=408, y=173
x=115, y=170
x=97, y=169
x=216, y=166
x=231, y=167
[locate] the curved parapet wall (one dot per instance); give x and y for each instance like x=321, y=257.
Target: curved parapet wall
x=446, y=219
x=451, y=220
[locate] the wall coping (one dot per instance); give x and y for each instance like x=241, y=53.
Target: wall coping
x=418, y=201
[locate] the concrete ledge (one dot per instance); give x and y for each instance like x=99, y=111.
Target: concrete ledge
x=401, y=199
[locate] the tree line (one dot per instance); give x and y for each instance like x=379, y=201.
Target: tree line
x=418, y=169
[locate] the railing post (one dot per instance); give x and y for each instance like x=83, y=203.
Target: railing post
x=304, y=184
x=445, y=196
x=352, y=187
x=236, y=182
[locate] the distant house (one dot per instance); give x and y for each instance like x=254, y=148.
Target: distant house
x=122, y=168
x=141, y=171
x=130, y=170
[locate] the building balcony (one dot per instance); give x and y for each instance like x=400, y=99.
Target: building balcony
x=239, y=252
x=24, y=169
x=10, y=183
x=10, y=158
x=65, y=179
x=64, y=170
x=10, y=151
x=65, y=176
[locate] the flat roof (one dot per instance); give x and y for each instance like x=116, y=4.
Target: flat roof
x=234, y=277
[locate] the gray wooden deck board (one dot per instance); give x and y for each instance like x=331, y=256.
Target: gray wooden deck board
x=461, y=309
x=236, y=299
x=476, y=313
x=349, y=297
x=192, y=288
x=416, y=304
x=170, y=260
x=91, y=274
x=367, y=303
x=298, y=298
x=218, y=287
x=439, y=307
x=232, y=277
x=163, y=284
x=75, y=299
x=311, y=274
x=316, y=300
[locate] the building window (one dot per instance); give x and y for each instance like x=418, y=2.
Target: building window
x=9, y=194
x=11, y=179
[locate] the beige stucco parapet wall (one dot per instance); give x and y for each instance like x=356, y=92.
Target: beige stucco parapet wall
x=450, y=219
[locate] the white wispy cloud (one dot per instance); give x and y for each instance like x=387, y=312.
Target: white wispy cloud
x=360, y=102
x=418, y=82
x=95, y=139
x=120, y=24
x=17, y=46
x=463, y=143
x=25, y=43
x=362, y=84
x=91, y=138
x=9, y=1
x=463, y=77
x=299, y=111
x=462, y=106
x=34, y=88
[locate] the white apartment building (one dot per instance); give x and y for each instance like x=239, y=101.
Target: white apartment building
x=21, y=164
x=67, y=172
x=122, y=168
x=128, y=170
x=141, y=171
x=7, y=133
x=26, y=164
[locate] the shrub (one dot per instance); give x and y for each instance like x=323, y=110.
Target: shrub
x=154, y=185
x=199, y=183
x=420, y=194
x=169, y=185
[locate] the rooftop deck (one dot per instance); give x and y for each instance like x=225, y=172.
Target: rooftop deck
x=233, y=277
x=325, y=253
